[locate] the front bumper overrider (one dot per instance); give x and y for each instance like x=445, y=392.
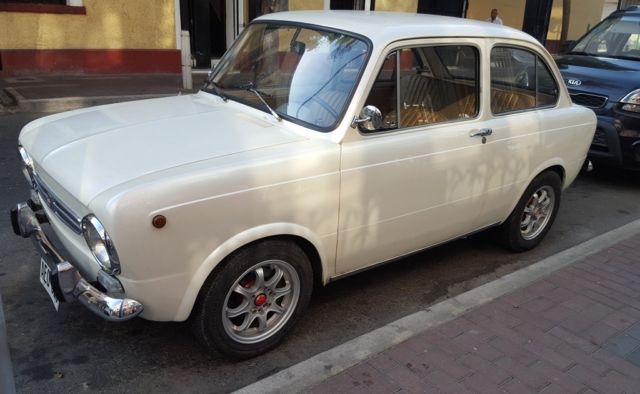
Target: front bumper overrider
x=68, y=284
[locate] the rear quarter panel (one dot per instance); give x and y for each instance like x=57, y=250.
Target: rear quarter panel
x=524, y=145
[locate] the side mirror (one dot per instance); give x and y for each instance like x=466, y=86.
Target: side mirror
x=370, y=119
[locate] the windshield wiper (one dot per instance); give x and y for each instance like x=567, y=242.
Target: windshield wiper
x=621, y=57
x=211, y=85
x=250, y=87
x=581, y=53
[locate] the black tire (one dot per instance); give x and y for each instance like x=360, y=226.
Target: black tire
x=210, y=320
x=512, y=229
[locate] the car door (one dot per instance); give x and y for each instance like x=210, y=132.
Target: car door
x=412, y=182
x=523, y=95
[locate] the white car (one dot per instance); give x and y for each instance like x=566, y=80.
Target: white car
x=323, y=144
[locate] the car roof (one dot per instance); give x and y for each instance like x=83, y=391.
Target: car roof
x=385, y=27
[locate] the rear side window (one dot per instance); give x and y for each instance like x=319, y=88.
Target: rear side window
x=520, y=80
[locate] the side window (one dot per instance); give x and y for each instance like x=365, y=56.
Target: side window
x=437, y=84
x=384, y=92
x=520, y=81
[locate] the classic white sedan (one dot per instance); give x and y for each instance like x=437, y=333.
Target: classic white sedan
x=324, y=143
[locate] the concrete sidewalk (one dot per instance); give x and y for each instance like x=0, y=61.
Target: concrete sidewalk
x=567, y=324
x=54, y=93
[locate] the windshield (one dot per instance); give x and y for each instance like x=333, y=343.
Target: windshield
x=301, y=73
x=617, y=37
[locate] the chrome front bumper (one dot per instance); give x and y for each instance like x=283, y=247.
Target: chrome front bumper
x=68, y=284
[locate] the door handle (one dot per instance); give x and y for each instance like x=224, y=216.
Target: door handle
x=481, y=133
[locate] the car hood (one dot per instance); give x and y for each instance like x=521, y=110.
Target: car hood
x=91, y=150
x=609, y=77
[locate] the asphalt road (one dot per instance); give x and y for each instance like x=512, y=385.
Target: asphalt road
x=75, y=351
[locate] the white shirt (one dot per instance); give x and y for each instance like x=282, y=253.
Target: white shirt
x=497, y=21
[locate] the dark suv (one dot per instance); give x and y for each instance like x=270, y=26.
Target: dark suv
x=602, y=72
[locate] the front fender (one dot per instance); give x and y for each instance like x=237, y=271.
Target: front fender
x=322, y=246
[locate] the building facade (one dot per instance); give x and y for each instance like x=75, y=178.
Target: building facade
x=540, y=18
x=88, y=36
x=143, y=36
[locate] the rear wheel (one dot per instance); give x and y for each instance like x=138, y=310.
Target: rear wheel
x=534, y=214
x=247, y=307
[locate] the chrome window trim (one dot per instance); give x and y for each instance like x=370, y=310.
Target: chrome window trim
x=54, y=203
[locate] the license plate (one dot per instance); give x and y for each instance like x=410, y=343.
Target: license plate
x=45, y=279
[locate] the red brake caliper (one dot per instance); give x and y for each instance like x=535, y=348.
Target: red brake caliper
x=248, y=283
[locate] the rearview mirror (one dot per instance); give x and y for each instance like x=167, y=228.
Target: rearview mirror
x=370, y=118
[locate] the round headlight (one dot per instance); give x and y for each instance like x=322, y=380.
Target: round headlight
x=100, y=244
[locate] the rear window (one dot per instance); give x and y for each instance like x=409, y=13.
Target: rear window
x=520, y=80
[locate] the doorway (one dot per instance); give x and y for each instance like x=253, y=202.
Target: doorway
x=347, y=4
x=536, y=18
x=456, y=8
x=206, y=21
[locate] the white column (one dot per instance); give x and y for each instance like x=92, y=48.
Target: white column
x=230, y=20
x=327, y=4
x=240, y=20
x=183, y=43
x=187, y=77
x=178, y=23
x=75, y=3
x=367, y=5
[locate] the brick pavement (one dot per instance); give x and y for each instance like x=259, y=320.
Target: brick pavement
x=575, y=331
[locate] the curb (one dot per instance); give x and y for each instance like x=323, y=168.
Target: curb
x=69, y=103
x=333, y=361
x=7, y=385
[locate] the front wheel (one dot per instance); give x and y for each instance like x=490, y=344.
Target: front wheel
x=247, y=307
x=534, y=214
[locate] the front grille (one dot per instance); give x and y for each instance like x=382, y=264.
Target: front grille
x=58, y=207
x=599, y=141
x=589, y=100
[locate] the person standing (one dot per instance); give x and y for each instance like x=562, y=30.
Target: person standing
x=494, y=17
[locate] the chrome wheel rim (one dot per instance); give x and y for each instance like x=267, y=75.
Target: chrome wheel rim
x=537, y=212
x=261, y=301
